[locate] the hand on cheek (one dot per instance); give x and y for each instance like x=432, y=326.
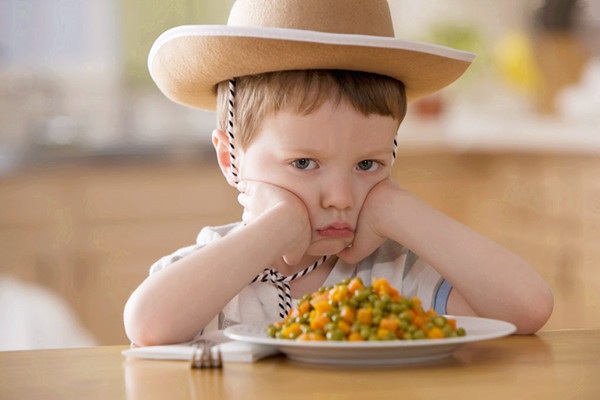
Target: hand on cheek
x=370, y=232
x=261, y=199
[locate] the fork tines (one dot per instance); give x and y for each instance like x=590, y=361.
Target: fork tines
x=203, y=356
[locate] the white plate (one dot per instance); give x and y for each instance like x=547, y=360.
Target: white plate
x=394, y=352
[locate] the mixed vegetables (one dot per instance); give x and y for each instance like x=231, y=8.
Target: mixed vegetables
x=354, y=312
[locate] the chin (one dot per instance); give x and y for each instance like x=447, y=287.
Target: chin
x=327, y=247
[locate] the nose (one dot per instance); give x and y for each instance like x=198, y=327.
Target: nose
x=337, y=192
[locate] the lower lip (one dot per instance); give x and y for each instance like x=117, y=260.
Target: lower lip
x=336, y=233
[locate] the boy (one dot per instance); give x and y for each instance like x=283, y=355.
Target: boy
x=310, y=96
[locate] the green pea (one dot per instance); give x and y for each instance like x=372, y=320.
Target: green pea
x=396, y=308
x=271, y=331
x=361, y=295
x=306, y=297
x=336, y=334
x=329, y=327
x=419, y=335
x=405, y=316
x=365, y=331
x=447, y=330
x=439, y=321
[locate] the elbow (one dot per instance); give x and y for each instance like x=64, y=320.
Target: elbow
x=140, y=328
x=537, y=313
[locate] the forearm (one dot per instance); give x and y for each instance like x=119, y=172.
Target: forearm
x=493, y=281
x=174, y=304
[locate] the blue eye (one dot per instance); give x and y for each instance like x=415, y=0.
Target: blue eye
x=304, y=163
x=366, y=165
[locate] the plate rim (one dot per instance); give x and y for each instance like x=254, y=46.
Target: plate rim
x=504, y=329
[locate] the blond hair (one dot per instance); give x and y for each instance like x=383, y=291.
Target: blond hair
x=304, y=91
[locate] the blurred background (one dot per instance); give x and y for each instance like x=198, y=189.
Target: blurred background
x=100, y=174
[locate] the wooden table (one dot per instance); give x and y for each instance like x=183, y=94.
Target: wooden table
x=552, y=365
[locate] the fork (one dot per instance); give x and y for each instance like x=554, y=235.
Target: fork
x=203, y=356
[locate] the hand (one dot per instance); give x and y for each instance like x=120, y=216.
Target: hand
x=370, y=231
x=261, y=199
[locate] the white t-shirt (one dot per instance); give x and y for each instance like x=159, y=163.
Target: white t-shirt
x=258, y=302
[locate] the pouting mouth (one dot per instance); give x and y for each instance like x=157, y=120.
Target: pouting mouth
x=338, y=229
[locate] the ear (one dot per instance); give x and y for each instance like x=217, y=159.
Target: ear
x=221, y=143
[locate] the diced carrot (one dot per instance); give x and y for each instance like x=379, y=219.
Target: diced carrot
x=322, y=306
x=380, y=285
x=339, y=293
x=355, y=284
x=417, y=305
x=291, y=331
x=365, y=315
x=304, y=307
x=394, y=294
x=318, y=320
x=344, y=326
x=389, y=323
x=435, y=333
x=452, y=323
x=355, y=337
x=383, y=334
x=420, y=320
x=294, y=313
x=348, y=314
x=311, y=336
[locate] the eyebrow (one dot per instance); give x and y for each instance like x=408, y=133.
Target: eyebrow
x=315, y=153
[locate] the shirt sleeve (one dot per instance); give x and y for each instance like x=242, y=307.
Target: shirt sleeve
x=410, y=274
x=206, y=235
x=440, y=300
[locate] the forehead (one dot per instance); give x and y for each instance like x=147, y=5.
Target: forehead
x=331, y=125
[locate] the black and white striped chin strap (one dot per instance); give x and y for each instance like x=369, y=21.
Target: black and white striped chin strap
x=282, y=283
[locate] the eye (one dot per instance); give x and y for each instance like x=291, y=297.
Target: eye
x=367, y=165
x=304, y=163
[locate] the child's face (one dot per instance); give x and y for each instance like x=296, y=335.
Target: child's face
x=330, y=159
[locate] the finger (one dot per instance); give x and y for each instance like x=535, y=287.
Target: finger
x=242, y=186
x=242, y=199
x=292, y=259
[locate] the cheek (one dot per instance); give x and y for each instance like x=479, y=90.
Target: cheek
x=255, y=168
x=305, y=192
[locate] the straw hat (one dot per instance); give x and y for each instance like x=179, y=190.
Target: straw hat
x=187, y=62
